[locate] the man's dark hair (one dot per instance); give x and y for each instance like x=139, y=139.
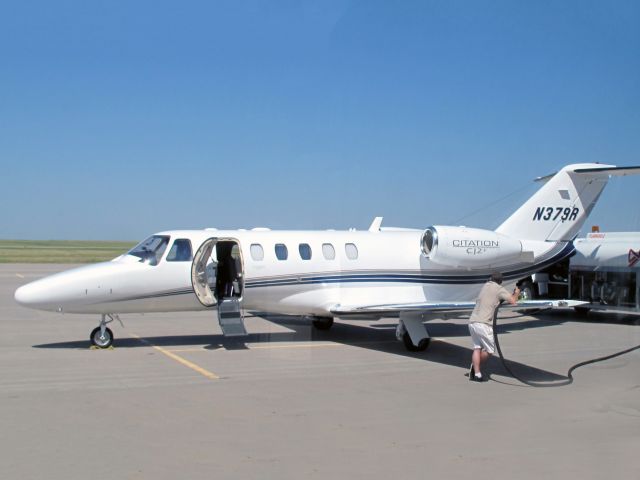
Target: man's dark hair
x=496, y=277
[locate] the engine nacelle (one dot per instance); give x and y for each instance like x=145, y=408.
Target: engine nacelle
x=463, y=247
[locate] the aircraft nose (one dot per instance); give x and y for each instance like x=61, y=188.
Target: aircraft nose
x=40, y=294
x=29, y=295
x=68, y=290
x=25, y=295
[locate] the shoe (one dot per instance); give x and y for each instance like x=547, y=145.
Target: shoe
x=478, y=379
x=472, y=372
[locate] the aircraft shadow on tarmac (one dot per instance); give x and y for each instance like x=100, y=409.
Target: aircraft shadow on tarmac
x=378, y=336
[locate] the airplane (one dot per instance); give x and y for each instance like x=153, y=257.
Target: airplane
x=413, y=274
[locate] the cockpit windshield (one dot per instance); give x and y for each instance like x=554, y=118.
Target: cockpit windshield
x=150, y=250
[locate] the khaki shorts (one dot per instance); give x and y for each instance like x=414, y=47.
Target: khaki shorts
x=482, y=336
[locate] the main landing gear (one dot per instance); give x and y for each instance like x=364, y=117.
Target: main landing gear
x=322, y=323
x=412, y=332
x=102, y=336
x=422, y=344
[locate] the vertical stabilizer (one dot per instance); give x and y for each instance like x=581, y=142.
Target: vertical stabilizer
x=558, y=210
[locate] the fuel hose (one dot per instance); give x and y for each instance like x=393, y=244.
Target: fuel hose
x=569, y=377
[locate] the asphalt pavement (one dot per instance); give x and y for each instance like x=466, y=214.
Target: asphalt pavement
x=174, y=399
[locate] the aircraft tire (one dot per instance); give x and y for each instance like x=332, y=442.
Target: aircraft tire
x=323, y=323
x=582, y=311
x=527, y=292
x=422, y=346
x=105, y=342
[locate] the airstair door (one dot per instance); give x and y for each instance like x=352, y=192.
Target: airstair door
x=203, y=273
x=217, y=276
x=230, y=287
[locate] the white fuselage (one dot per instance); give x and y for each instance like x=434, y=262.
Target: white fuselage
x=368, y=267
x=413, y=274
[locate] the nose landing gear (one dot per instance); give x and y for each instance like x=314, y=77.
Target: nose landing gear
x=101, y=339
x=102, y=336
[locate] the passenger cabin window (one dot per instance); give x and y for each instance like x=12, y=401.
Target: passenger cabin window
x=328, y=251
x=180, y=251
x=305, y=251
x=150, y=250
x=281, y=251
x=257, y=252
x=351, y=250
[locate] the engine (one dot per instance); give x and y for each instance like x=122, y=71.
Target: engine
x=462, y=247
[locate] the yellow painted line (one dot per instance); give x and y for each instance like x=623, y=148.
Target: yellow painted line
x=186, y=350
x=320, y=345
x=297, y=345
x=304, y=345
x=179, y=359
x=258, y=347
x=19, y=276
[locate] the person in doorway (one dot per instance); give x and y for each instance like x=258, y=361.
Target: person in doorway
x=481, y=322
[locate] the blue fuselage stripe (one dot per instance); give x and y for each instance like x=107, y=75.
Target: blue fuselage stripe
x=408, y=278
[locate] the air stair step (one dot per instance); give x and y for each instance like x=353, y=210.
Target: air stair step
x=230, y=318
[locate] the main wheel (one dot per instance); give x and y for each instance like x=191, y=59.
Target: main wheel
x=527, y=292
x=582, y=311
x=422, y=346
x=99, y=340
x=323, y=323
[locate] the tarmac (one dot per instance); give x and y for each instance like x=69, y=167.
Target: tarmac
x=174, y=399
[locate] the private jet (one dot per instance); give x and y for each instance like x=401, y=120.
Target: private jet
x=416, y=275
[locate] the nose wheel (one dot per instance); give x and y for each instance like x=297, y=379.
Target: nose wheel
x=102, y=336
x=101, y=339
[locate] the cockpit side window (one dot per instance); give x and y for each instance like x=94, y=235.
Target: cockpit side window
x=150, y=250
x=180, y=251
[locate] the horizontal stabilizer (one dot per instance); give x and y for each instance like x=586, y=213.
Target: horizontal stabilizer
x=606, y=169
x=614, y=171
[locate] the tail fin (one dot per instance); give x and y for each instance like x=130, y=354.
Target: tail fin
x=558, y=210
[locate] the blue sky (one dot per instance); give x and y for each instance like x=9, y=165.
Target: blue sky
x=119, y=119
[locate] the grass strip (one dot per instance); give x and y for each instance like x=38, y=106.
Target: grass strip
x=60, y=251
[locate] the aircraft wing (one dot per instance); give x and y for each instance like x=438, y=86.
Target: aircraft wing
x=433, y=309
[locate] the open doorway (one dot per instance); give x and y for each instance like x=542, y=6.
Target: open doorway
x=217, y=271
x=229, y=277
